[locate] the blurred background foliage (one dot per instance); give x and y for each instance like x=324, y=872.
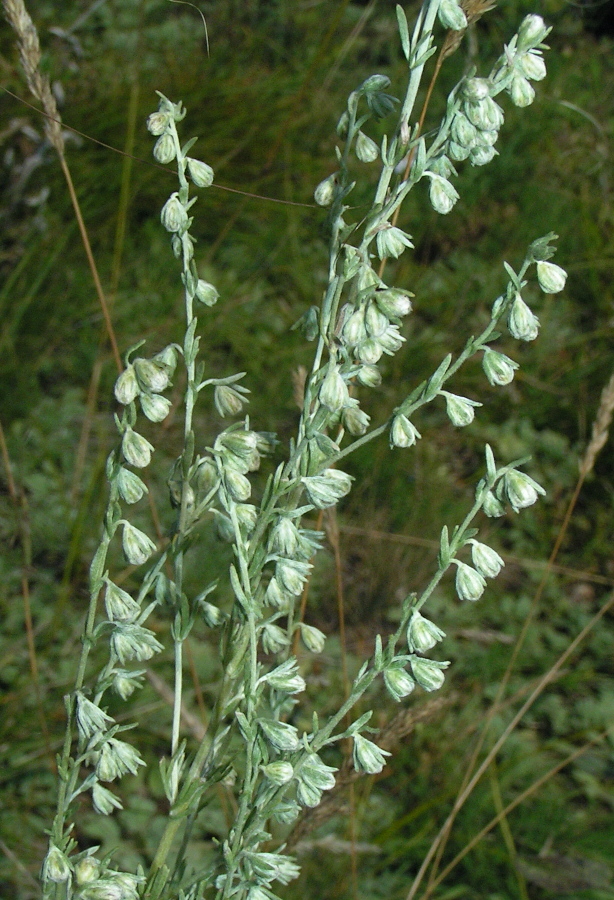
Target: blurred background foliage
x=265, y=100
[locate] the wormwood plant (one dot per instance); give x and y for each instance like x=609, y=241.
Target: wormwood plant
x=251, y=744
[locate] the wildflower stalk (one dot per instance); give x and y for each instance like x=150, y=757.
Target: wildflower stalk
x=358, y=320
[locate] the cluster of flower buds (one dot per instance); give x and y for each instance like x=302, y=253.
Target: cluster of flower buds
x=475, y=127
x=145, y=379
x=162, y=125
x=522, y=62
x=89, y=878
x=371, y=326
x=471, y=580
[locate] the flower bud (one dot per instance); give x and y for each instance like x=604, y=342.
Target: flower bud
x=56, y=867
x=462, y=131
x=486, y=115
x=354, y=330
x=228, y=401
x=391, y=340
x=398, y=682
x=238, y=485
x=519, y=490
x=155, y=407
x=402, y=432
x=326, y=489
x=457, y=152
x=521, y=91
x=393, y=302
x=498, y=367
x=523, y=325
x=273, y=638
x=138, y=547
x=201, y=174
x=355, y=420
x=443, y=195
x=104, y=800
x=125, y=683
x=286, y=678
x=91, y=720
x=481, y=155
x=206, y=477
x=87, y=870
x=136, y=449
x=370, y=351
x=312, y=638
x=486, y=560
x=173, y=215
x=551, y=278
x=278, y=772
x=285, y=537
x=333, y=391
x=281, y=736
x=451, y=15
x=366, y=150
x=119, y=605
x=158, y=122
x=150, y=376
x=460, y=409
x=422, y=634
x=342, y=125
x=164, y=149
x=470, y=584
x=475, y=89
x=130, y=486
x=275, y=596
x=428, y=672
x=291, y=575
x=126, y=386
x=325, y=191
x=367, y=756
x=206, y=293
x=391, y=241
x=532, y=65
x=492, y=507
x=532, y=32
x=376, y=322
x=369, y=376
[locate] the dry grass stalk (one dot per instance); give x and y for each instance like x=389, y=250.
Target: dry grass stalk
x=30, y=55
x=601, y=427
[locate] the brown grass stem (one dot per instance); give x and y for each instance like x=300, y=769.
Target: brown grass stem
x=466, y=792
x=511, y=806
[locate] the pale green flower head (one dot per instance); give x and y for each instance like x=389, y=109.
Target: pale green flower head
x=461, y=410
x=486, y=560
x=551, y=278
x=422, y=634
x=398, y=682
x=281, y=736
x=498, y=367
x=367, y=756
x=428, y=672
x=137, y=546
x=519, y=490
x=470, y=584
x=56, y=867
x=522, y=323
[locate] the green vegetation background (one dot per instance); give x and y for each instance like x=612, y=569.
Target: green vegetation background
x=265, y=103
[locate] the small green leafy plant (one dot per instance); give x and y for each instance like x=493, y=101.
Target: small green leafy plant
x=251, y=744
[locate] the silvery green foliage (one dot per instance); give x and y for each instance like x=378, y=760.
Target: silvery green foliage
x=277, y=769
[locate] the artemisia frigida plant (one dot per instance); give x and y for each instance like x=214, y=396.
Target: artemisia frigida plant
x=276, y=771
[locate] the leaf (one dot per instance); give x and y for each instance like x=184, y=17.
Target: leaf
x=403, y=31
